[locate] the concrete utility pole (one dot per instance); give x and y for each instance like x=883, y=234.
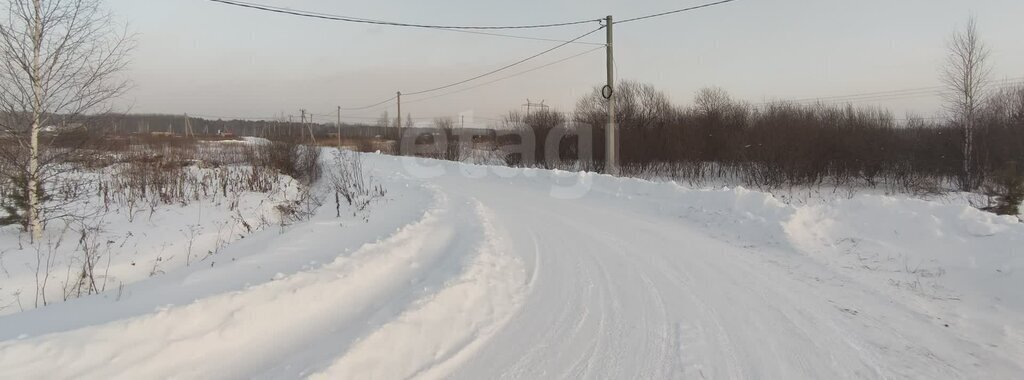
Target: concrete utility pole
x=611, y=149
x=339, y=127
x=399, y=97
x=309, y=127
x=302, y=122
x=188, y=127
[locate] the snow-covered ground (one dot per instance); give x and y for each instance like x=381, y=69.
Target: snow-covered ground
x=134, y=239
x=474, y=272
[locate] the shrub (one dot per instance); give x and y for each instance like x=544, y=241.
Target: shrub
x=351, y=184
x=15, y=201
x=1007, y=191
x=288, y=157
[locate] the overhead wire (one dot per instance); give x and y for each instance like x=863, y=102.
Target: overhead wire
x=331, y=17
x=556, y=47
x=506, y=77
x=523, y=37
x=474, y=29
x=369, y=106
x=506, y=67
x=893, y=94
x=358, y=19
x=452, y=28
x=673, y=12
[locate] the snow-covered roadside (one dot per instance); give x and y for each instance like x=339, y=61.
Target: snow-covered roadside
x=244, y=259
x=958, y=265
x=128, y=236
x=131, y=248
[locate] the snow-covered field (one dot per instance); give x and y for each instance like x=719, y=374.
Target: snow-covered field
x=475, y=272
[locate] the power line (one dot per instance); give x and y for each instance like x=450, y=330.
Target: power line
x=938, y=91
x=506, y=77
x=674, y=12
x=466, y=29
x=895, y=94
x=331, y=17
x=369, y=106
x=357, y=19
x=564, y=43
x=522, y=37
x=875, y=93
x=506, y=66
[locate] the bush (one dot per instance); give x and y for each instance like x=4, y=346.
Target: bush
x=351, y=184
x=1007, y=192
x=15, y=200
x=290, y=158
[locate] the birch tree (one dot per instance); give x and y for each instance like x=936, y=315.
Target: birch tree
x=62, y=60
x=966, y=75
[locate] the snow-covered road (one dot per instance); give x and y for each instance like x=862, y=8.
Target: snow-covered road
x=494, y=273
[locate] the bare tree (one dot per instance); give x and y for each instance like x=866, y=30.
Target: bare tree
x=1007, y=104
x=540, y=124
x=966, y=74
x=452, y=149
x=62, y=60
x=712, y=100
x=638, y=105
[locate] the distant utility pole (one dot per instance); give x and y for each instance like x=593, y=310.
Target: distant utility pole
x=302, y=123
x=309, y=127
x=611, y=149
x=339, y=127
x=188, y=127
x=399, y=97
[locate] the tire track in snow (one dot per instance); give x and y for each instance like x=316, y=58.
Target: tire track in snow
x=441, y=330
x=572, y=320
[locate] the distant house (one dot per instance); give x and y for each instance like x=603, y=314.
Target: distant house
x=56, y=129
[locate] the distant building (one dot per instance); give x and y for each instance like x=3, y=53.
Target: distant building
x=56, y=129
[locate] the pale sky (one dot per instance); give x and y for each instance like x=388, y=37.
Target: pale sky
x=206, y=58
